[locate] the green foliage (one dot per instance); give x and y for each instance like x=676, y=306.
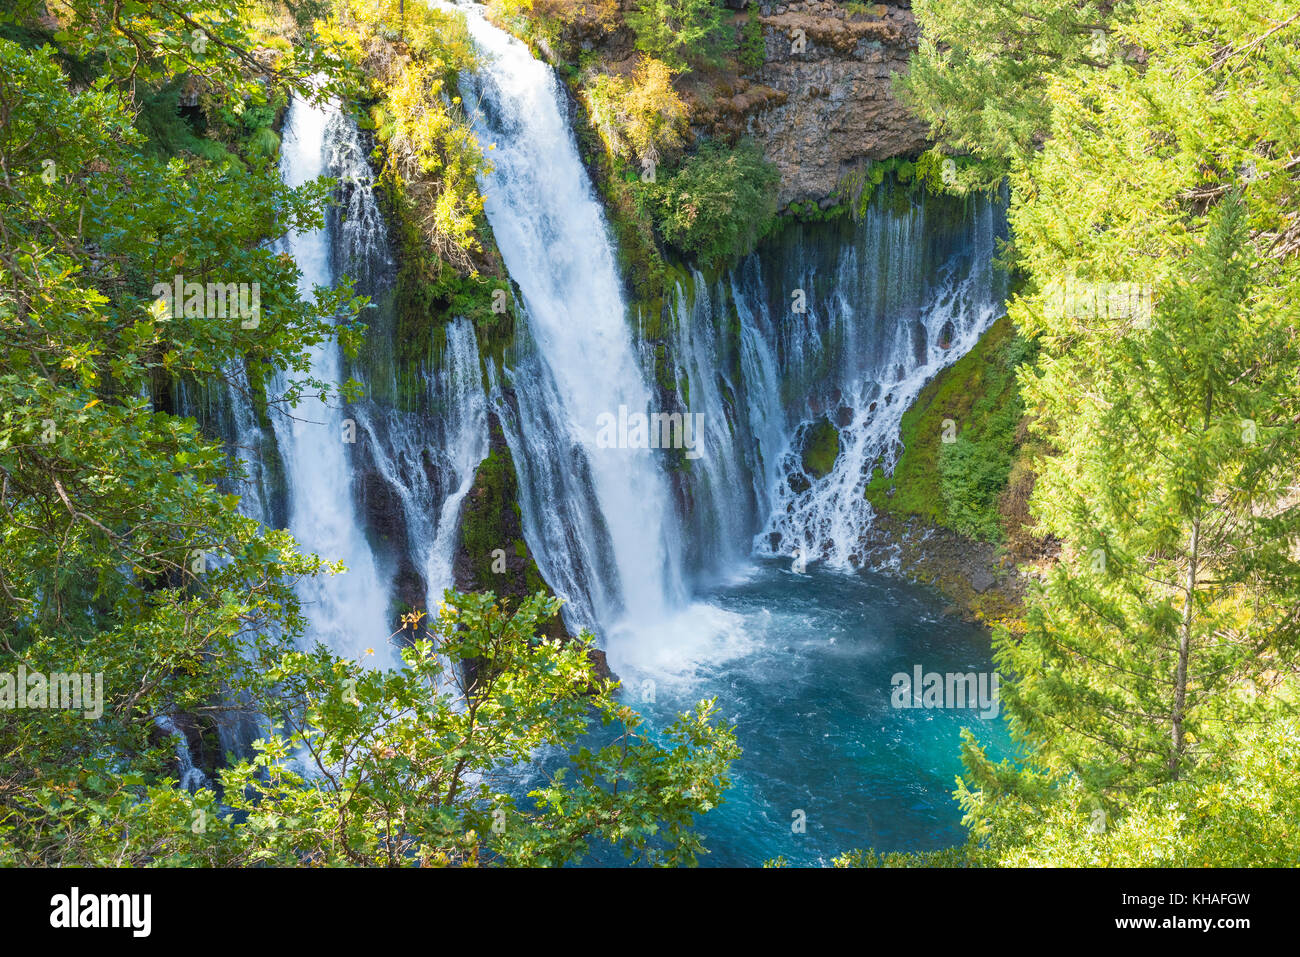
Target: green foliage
x=1237, y=813
x=973, y=469
x=753, y=49
x=947, y=857
x=427, y=293
x=981, y=73
x=626, y=207
x=1170, y=503
x=679, y=32
x=430, y=161
x=821, y=447
x=407, y=761
x=639, y=117
x=405, y=767
x=151, y=42
x=957, y=485
x=719, y=204
x=484, y=521
x=118, y=554
x=430, y=153
x=857, y=187
x=1176, y=429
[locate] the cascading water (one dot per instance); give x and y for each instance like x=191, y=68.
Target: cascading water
x=610, y=543
x=880, y=308
x=191, y=778
x=429, y=461
x=347, y=612
x=425, y=456
x=856, y=328
x=800, y=663
x=302, y=472
x=901, y=319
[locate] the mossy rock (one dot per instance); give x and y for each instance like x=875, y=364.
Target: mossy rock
x=492, y=554
x=955, y=484
x=820, y=448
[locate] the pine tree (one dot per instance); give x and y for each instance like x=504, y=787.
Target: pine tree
x=1166, y=629
x=1173, y=494
x=679, y=32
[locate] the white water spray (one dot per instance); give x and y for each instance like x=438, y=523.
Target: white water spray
x=576, y=359
x=347, y=612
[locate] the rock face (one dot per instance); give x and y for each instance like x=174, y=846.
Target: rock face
x=835, y=69
x=821, y=104
x=380, y=507
x=982, y=583
x=491, y=554
x=490, y=522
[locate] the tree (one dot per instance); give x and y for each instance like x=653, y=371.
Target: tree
x=412, y=766
x=121, y=555
x=679, y=32
x=1171, y=490
x=982, y=71
x=719, y=203
x=640, y=117
x=1155, y=225
x=1235, y=812
x=753, y=47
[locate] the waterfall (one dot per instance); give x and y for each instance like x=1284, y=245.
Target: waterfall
x=429, y=461
x=347, y=612
x=856, y=320
x=192, y=778
x=387, y=504
x=610, y=544
x=370, y=483
x=834, y=326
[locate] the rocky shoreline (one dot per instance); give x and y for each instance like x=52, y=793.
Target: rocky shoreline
x=981, y=581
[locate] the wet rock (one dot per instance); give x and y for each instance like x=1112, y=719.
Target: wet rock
x=600, y=665
x=980, y=581
x=946, y=335
x=384, y=518
x=819, y=448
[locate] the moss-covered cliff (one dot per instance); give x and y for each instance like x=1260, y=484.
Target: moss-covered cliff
x=954, y=509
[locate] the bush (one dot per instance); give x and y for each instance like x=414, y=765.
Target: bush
x=679, y=32
x=638, y=118
x=974, y=470
x=720, y=203
x=753, y=49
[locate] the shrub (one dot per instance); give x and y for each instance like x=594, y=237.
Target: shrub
x=641, y=117
x=679, y=32
x=753, y=49
x=719, y=203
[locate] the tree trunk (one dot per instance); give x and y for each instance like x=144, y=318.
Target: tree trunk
x=1185, y=631
x=1184, y=650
